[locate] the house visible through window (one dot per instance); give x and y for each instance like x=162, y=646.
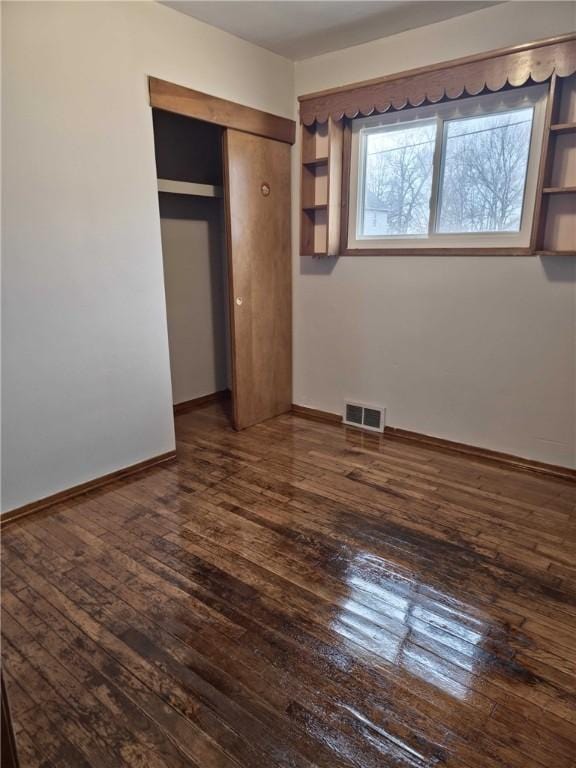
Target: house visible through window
x=457, y=174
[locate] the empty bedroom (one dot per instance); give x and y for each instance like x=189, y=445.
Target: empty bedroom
x=288, y=384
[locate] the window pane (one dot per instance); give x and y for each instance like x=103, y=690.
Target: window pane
x=398, y=180
x=484, y=172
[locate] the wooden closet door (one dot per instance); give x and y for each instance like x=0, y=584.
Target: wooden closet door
x=257, y=201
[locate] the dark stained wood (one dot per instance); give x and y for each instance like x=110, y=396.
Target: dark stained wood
x=258, y=234
x=504, y=459
x=70, y=493
x=296, y=594
x=228, y=114
x=8, y=743
x=494, y=70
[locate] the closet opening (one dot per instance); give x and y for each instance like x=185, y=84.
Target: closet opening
x=192, y=219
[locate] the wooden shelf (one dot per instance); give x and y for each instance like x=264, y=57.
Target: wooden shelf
x=188, y=188
x=563, y=128
x=315, y=162
x=320, y=188
x=559, y=190
x=553, y=228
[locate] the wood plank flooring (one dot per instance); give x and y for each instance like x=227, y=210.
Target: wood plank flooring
x=296, y=595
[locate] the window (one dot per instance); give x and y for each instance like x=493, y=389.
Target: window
x=455, y=175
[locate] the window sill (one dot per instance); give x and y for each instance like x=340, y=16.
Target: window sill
x=464, y=251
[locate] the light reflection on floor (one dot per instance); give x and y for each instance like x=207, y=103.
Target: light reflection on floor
x=396, y=619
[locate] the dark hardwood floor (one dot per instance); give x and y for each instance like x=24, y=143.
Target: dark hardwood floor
x=296, y=595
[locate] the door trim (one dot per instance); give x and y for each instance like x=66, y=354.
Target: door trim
x=230, y=274
x=211, y=109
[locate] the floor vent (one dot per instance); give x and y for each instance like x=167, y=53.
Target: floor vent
x=365, y=416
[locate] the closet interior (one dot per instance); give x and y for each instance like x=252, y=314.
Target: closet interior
x=190, y=178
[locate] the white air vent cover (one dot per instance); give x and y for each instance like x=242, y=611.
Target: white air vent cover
x=372, y=417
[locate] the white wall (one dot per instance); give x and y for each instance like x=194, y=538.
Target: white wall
x=478, y=350
x=193, y=250
x=475, y=350
x=86, y=384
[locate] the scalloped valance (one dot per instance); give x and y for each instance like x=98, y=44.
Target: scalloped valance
x=492, y=71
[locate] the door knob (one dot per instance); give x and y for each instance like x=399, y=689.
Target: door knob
x=239, y=301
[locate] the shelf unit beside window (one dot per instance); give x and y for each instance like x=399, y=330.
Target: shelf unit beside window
x=555, y=228
x=320, y=189
x=327, y=150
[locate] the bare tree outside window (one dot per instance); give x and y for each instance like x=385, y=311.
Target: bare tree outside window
x=484, y=172
x=448, y=175
x=398, y=180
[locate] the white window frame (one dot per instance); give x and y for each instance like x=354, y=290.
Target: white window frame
x=535, y=96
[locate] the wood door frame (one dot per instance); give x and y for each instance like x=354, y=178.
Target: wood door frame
x=232, y=349
x=187, y=102
x=212, y=109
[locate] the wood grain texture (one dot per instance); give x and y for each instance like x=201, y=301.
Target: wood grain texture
x=505, y=460
x=78, y=490
x=259, y=258
x=8, y=742
x=299, y=595
x=228, y=114
x=469, y=76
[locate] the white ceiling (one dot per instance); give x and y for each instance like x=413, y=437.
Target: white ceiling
x=298, y=29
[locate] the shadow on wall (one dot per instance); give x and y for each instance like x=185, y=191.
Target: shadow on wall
x=559, y=269
x=219, y=285
x=317, y=265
